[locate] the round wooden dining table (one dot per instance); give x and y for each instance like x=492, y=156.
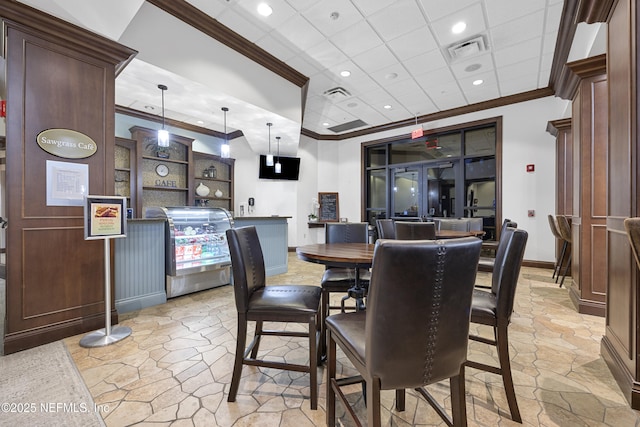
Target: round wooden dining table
x=350, y=255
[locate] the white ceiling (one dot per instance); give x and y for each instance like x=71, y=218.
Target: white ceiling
x=396, y=51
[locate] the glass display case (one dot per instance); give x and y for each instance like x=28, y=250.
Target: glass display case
x=197, y=254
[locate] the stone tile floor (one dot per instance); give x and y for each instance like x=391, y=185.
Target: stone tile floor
x=176, y=367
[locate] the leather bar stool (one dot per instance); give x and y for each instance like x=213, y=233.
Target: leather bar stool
x=260, y=303
x=487, y=263
x=565, y=233
x=419, y=282
x=553, y=225
x=415, y=230
x=494, y=307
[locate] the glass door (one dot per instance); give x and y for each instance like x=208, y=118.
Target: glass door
x=405, y=198
x=441, y=196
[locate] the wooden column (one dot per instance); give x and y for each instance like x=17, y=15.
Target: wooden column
x=621, y=344
x=589, y=212
x=561, y=129
x=58, y=76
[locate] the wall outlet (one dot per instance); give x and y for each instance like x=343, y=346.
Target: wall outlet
x=531, y=213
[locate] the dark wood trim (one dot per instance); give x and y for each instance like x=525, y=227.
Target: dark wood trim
x=554, y=126
x=199, y=20
x=628, y=386
x=566, y=33
x=589, y=67
x=64, y=33
x=584, y=306
x=592, y=11
x=466, y=109
x=176, y=123
x=537, y=264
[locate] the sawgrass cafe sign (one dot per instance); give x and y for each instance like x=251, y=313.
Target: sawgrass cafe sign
x=66, y=143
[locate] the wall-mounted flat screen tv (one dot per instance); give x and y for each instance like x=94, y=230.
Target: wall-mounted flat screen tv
x=290, y=168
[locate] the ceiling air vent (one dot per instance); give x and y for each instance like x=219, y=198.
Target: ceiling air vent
x=347, y=126
x=467, y=48
x=336, y=94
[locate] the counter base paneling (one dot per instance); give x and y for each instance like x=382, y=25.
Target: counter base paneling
x=273, y=233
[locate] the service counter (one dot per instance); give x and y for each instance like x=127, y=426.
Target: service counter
x=273, y=234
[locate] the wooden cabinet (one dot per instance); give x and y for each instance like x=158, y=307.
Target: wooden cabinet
x=217, y=174
x=125, y=171
x=169, y=176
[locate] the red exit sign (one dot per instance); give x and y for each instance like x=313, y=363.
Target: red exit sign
x=417, y=133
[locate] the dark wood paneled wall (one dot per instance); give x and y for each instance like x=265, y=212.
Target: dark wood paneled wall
x=58, y=76
x=561, y=129
x=620, y=345
x=589, y=212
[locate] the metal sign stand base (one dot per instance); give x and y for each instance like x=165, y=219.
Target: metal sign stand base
x=106, y=336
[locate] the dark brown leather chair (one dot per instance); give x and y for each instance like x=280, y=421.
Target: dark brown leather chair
x=487, y=263
x=386, y=230
x=341, y=279
x=415, y=329
x=260, y=303
x=492, y=245
x=565, y=234
x=415, y=230
x=494, y=308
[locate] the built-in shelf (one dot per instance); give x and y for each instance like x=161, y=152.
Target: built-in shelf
x=160, y=187
x=168, y=160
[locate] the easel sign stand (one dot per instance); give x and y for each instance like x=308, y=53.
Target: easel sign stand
x=105, y=218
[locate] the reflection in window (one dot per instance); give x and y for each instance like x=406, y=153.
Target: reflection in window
x=432, y=147
x=377, y=188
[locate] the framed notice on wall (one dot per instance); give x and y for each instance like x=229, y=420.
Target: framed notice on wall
x=329, y=207
x=105, y=217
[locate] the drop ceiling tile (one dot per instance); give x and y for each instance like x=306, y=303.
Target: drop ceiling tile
x=420, y=107
x=473, y=66
x=489, y=79
x=358, y=82
x=482, y=94
x=358, y=108
x=434, y=78
x=438, y=9
x=299, y=32
x=326, y=54
x=375, y=59
x=516, y=31
x=426, y=62
x=502, y=11
x=552, y=22
x=282, y=11
x=211, y=8
x=546, y=61
x=241, y=25
x=377, y=98
x=447, y=96
x=549, y=42
x=275, y=48
x=298, y=5
x=523, y=83
x=303, y=64
x=518, y=52
x=397, y=113
x=320, y=16
x=397, y=19
x=543, y=79
x=404, y=87
x=319, y=83
x=513, y=71
x=472, y=15
x=369, y=7
x=391, y=74
x=358, y=38
x=413, y=44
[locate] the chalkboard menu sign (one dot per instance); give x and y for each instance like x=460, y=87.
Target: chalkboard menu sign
x=328, y=211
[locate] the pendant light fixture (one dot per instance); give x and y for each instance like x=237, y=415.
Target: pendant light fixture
x=269, y=156
x=278, y=168
x=163, y=134
x=225, y=151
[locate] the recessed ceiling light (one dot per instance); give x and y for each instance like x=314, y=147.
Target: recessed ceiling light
x=264, y=9
x=200, y=122
x=387, y=107
x=345, y=73
x=458, y=27
x=478, y=82
x=325, y=124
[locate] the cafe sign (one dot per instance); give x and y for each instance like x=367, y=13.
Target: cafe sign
x=66, y=143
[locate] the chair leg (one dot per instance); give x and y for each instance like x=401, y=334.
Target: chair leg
x=257, y=336
x=241, y=341
x=373, y=404
x=313, y=362
x=331, y=376
x=458, y=403
x=400, y=400
x=502, y=344
x=566, y=269
x=561, y=262
x=324, y=312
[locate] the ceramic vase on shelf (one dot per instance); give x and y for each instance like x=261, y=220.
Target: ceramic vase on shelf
x=202, y=190
x=218, y=193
